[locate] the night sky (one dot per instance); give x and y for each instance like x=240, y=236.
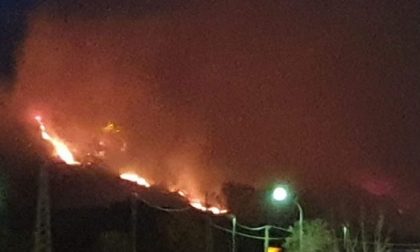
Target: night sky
x=321, y=93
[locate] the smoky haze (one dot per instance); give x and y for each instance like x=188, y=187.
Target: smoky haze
x=237, y=91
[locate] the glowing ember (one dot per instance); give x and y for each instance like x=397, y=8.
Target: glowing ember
x=135, y=178
x=60, y=148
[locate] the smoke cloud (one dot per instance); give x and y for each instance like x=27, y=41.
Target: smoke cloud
x=81, y=72
x=207, y=92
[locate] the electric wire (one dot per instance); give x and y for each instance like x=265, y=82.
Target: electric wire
x=262, y=227
x=245, y=235
x=189, y=208
x=405, y=245
x=183, y=209
x=252, y=228
x=281, y=228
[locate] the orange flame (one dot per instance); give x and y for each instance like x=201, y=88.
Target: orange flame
x=193, y=202
x=60, y=148
x=129, y=176
x=202, y=207
x=182, y=193
x=199, y=205
x=64, y=153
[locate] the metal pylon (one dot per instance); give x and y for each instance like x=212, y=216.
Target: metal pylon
x=43, y=218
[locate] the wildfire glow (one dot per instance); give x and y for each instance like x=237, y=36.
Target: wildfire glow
x=129, y=176
x=64, y=153
x=60, y=148
x=202, y=207
x=182, y=194
x=199, y=205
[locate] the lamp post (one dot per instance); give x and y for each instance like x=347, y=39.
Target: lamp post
x=233, y=233
x=266, y=238
x=134, y=222
x=281, y=194
x=300, y=225
x=345, y=238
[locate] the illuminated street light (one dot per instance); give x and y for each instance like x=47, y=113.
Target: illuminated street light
x=281, y=194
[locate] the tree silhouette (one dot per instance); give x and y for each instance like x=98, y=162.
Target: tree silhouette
x=317, y=237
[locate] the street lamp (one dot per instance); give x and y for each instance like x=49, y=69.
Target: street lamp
x=233, y=233
x=281, y=194
x=345, y=237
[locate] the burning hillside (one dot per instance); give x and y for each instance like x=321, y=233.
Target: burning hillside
x=191, y=95
x=63, y=152
x=60, y=148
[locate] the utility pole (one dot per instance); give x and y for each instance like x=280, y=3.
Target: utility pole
x=266, y=238
x=233, y=233
x=209, y=233
x=43, y=218
x=134, y=222
x=345, y=237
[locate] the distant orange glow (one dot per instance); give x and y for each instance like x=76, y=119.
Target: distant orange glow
x=60, y=148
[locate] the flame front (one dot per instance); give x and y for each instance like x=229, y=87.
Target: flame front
x=64, y=153
x=193, y=202
x=199, y=205
x=129, y=176
x=60, y=148
x=202, y=207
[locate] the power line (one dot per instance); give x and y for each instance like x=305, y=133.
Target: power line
x=405, y=245
x=245, y=235
x=218, y=226
x=166, y=209
x=262, y=228
x=251, y=228
x=281, y=228
x=188, y=208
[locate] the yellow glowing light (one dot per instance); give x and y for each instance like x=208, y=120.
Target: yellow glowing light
x=111, y=127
